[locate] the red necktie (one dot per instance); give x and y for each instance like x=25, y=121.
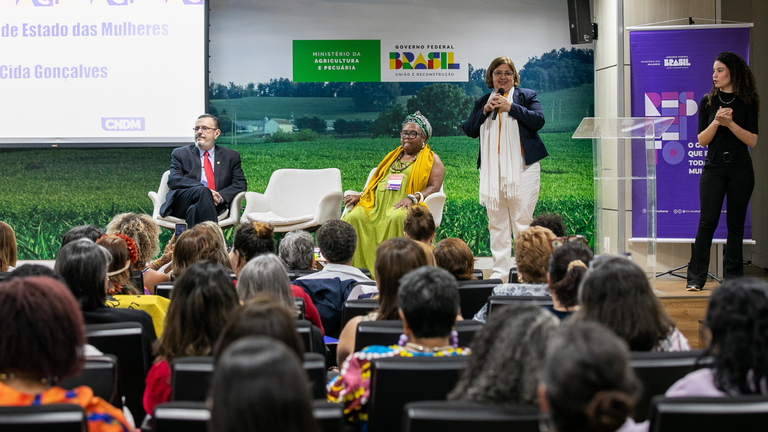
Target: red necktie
x=209, y=172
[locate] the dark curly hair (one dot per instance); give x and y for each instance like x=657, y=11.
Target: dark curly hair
x=507, y=356
x=738, y=319
x=564, y=277
x=42, y=330
x=337, y=241
x=742, y=80
x=553, y=221
x=252, y=239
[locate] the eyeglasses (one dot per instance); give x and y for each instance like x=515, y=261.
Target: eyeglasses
x=203, y=128
x=410, y=134
x=507, y=74
x=557, y=242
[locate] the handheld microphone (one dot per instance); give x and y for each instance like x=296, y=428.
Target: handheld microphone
x=496, y=111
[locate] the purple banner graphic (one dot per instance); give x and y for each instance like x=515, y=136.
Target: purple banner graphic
x=671, y=72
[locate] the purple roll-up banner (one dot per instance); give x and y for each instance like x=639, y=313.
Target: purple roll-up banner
x=671, y=72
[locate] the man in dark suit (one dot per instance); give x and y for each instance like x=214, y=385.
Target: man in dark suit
x=204, y=177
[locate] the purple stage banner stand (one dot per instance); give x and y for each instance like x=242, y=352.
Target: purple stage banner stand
x=671, y=72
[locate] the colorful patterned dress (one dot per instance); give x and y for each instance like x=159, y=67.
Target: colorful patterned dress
x=352, y=386
x=101, y=416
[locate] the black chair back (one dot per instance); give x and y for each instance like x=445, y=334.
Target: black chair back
x=462, y=416
x=658, y=371
x=191, y=378
x=181, y=417
x=304, y=328
x=125, y=341
x=709, y=414
x=497, y=302
x=366, y=272
x=4, y=276
x=300, y=306
x=329, y=416
x=53, y=418
x=163, y=289
x=398, y=380
x=296, y=273
x=314, y=364
x=473, y=294
x=477, y=274
x=353, y=308
x=388, y=333
x=101, y=374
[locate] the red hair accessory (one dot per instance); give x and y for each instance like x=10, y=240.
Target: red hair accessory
x=132, y=255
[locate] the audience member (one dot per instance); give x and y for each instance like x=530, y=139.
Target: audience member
x=428, y=252
x=552, y=221
x=532, y=252
x=119, y=272
x=222, y=243
x=195, y=244
x=419, y=225
x=8, y=252
x=253, y=239
x=567, y=267
x=90, y=232
x=616, y=293
x=262, y=315
x=587, y=383
x=297, y=250
x=337, y=241
x=146, y=236
x=455, y=256
x=394, y=258
x=428, y=303
x=330, y=287
x=83, y=266
x=41, y=340
x=260, y=385
x=737, y=318
x=507, y=356
x=202, y=300
x=35, y=270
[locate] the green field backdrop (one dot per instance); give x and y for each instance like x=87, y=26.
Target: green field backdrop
x=44, y=192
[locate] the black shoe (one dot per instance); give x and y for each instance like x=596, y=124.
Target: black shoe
x=692, y=287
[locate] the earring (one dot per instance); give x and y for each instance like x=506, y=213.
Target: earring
x=455, y=338
x=403, y=340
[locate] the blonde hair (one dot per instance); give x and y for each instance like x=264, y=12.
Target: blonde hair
x=532, y=252
x=142, y=229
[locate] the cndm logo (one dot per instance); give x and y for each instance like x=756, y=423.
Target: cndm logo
x=433, y=60
x=115, y=124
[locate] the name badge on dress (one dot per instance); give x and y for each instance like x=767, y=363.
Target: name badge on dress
x=394, y=182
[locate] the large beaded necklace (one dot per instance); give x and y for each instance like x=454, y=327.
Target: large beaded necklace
x=399, y=166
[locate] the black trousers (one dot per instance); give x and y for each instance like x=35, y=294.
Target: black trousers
x=734, y=180
x=196, y=205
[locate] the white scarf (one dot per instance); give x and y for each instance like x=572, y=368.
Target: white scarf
x=499, y=158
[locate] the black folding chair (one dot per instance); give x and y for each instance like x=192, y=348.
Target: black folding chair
x=462, y=416
x=191, y=378
x=49, y=418
x=296, y=273
x=353, y=308
x=300, y=306
x=181, y=417
x=477, y=274
x=473, y=294
x=497, y=302
x=329, y=416
x=4, y=276
x=163, y=289
x=366, y=272
x=708, y=414
x=388, y=333
x=314, y=364
x=396, y=381
x=125, y=341
x=304, y=328
x=658, y=371
x=101, y=374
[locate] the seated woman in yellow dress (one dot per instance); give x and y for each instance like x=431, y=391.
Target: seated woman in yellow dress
x=406, y=176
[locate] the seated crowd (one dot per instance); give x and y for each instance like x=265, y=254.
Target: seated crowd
x=567, y=358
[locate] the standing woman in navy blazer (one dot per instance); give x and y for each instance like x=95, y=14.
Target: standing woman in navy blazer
x=507, y=121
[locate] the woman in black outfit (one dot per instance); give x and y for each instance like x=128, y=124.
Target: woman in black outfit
x=727, y=126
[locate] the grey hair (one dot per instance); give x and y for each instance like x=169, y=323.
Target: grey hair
x=296, y=250
x=265, y=273
x=507, y=357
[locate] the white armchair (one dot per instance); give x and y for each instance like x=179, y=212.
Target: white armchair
x=435, y=202
x=296, y=199
x=228, y=218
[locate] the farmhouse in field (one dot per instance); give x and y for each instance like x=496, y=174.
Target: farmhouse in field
x=251, y=126
x=275, y=124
